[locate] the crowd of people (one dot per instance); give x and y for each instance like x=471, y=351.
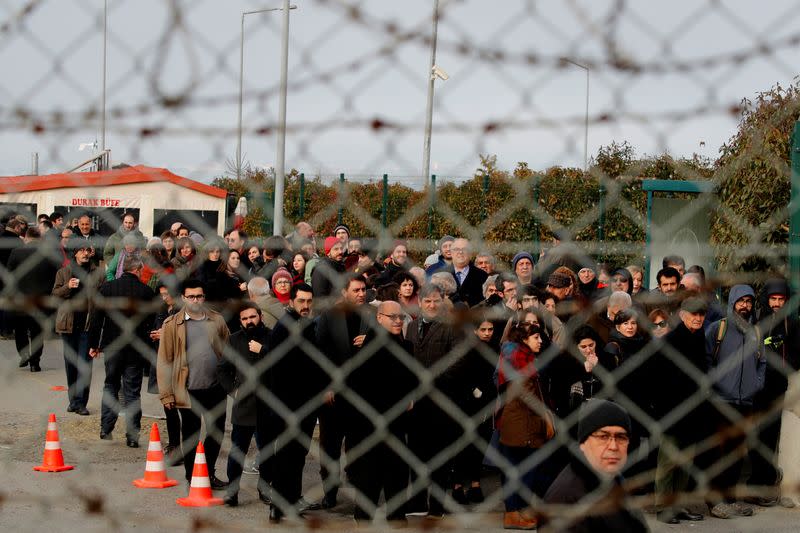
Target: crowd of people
x=560, y=373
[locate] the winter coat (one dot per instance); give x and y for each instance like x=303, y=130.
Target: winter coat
x=737, y=366
x=680, y=376
x=114, y=242
x=238, y=373
x=470, y=290
x=608, y=512
x=77, y=300
x=173, y=369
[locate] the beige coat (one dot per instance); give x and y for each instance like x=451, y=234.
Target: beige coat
x=69, y=304
x=172, y=368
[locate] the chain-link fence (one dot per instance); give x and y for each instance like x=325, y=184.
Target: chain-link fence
x=369, y=365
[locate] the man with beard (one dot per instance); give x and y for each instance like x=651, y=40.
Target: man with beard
x=736, y=369
x=238, y=373
x=287, y=410
x=377, y=402
x=782, y=349
x=326, y=277
x=682, y=356
x=341, y=331
x=445, y=256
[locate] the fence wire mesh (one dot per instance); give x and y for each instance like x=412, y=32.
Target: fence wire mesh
x=377, y=377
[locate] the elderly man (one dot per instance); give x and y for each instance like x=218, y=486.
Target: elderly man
x=603, y=322
x=593, y=477
x=486, y=262
x=680, y=407
x=522, y=264
x=469, y=278
x=378, y=401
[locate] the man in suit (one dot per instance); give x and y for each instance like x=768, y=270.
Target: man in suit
x=123, y=300
x=469, y=278
x=340, y=334
x=436, y=348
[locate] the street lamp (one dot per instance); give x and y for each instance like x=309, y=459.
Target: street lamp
x=433, y=73
x=241, y=83
x=586, y=117
x=105, y=46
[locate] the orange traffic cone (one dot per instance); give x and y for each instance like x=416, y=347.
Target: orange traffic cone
x=53, y=460
x=200, y=488
x=155, y=474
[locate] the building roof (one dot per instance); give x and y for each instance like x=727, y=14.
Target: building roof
x=121, y=176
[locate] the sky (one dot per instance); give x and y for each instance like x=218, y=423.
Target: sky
x=358, y=77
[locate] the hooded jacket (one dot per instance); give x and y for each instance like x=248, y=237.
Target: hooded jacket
x=737, y=366
x=782, y=329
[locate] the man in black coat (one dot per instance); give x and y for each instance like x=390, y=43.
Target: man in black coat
x=593, y=476
x=341, y=331
x=289, y=398
x=434, y=426
x=10, y=238
x=326, y=278
x=34, y=266
x=122, y=303
x=238, y=372
x=380, y=380
x=469, y=278
x=680, y=405
x=781, y=331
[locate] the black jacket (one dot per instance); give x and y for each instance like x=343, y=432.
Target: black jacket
x=295, y=378
x=238, y=372
x=326, y=282
x=34, y=267
x=674, y=384
x=384, y=379
x=128, y=299
x=337, y=327
x=436, y=344
x=608, y=513
x=470, y=290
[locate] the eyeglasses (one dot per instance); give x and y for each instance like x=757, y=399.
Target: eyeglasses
x=194, y=297
x=605, y=438
x=283, y=282
x=393, y=317
x=458, y=250
x=661, y=324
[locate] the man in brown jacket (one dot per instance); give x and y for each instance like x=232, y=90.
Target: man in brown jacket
x=192, y=343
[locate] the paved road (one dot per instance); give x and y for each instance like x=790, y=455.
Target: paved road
x=98, y=495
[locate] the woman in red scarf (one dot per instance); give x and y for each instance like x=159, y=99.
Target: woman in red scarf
x=522, y=422
x=282, y=285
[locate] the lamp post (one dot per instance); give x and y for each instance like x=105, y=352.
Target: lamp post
x=432, y=75
x=105, y=46
x=586, y=117
x=241, y=86
x=280, y=171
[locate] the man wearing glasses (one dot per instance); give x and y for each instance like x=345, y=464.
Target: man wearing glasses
x=593, y=477
x=192, y=343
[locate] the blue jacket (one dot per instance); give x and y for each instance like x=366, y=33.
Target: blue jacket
x=737, y=369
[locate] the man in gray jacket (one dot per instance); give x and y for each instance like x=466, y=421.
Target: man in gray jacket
x=736, y=370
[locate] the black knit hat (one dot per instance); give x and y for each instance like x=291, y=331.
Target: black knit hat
x=596, y=414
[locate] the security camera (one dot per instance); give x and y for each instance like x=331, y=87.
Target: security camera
x=438, y=72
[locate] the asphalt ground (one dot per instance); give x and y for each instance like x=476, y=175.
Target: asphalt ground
x=98, y=494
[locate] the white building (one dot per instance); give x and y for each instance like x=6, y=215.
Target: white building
x=155, y=196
